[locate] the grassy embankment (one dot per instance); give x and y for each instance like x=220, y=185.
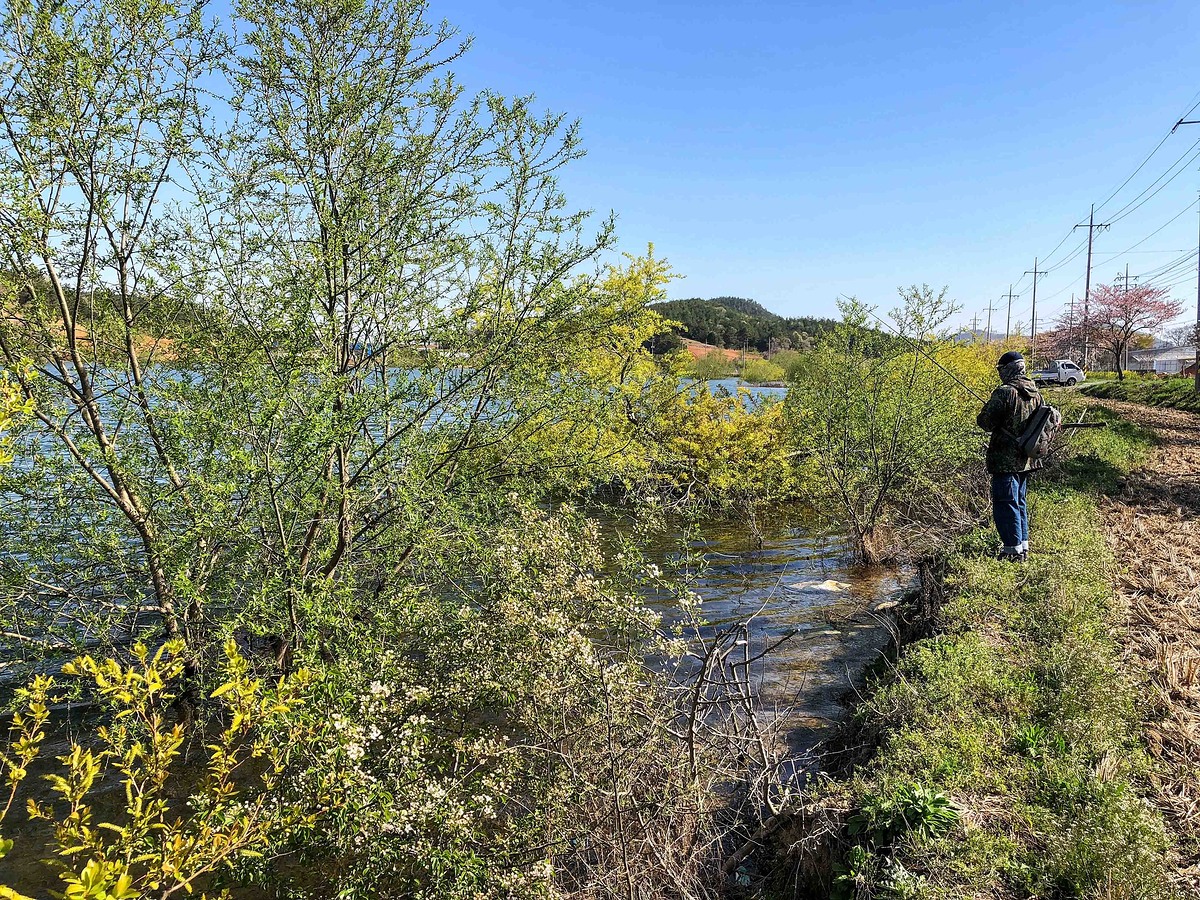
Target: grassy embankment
x=1177, y=393
x=1004, y=756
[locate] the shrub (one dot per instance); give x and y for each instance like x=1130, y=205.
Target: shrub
x=891, y=440
x=148, y=847
x=758, y=371
x=788, y=360
x=712, y=366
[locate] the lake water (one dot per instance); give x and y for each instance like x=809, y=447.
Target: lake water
x=733, y=385
x=794, y=584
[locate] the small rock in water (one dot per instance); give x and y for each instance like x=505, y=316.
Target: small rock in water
x=827, y=585
x=886, y=604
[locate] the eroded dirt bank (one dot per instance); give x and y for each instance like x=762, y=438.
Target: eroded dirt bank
x=1153, y=526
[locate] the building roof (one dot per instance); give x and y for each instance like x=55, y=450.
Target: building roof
x=1165, y=353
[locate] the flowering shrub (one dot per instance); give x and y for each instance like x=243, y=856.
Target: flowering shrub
x=473, y=730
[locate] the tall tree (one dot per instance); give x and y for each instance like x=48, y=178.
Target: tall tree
x=99, y=106
x=285, y=344
x=1120, y=315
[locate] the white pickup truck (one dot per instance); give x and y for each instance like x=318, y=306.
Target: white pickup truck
x=1061, y=371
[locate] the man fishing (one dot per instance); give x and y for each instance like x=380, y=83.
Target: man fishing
x=1004, y=415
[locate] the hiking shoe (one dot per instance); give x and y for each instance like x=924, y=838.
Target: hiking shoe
x=1011, y=557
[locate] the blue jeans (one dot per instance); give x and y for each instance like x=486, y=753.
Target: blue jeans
x=1010, y=511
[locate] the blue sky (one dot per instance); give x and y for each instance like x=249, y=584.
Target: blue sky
x=792, y=152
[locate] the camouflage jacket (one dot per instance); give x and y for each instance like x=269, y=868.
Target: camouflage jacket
x=1004, y=416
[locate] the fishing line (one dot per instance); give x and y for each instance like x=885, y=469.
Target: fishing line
x=917, y=347
x=966, y=387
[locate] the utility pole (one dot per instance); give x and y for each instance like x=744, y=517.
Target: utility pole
x=1091, y=226
x=1125, y=279
x=975, y=327
x=1071, y=324
x=989, y=322
x=1033, y=317
x=1196, y=336
x=1008, y=317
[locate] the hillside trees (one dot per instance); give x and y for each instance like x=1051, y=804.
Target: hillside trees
x=735, y=322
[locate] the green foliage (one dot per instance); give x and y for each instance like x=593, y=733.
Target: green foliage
x=713, y=365
x=791, y=361
x=759, y=371
x=891, y=439
x=470, y=725
x=15, y=408
x=148, y=846
x=404, y=323
x=911, y=810
x=409, y=354
x=720, y=450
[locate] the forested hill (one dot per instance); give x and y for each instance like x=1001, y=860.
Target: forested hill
x=737, y=322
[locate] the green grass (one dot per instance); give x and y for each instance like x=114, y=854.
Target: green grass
x=1177, y=393
x=1018, y=713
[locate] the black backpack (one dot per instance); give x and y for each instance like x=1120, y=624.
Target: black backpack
x=1041, y=428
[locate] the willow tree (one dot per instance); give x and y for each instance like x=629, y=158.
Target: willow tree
x=99, y=105
x=291, y=315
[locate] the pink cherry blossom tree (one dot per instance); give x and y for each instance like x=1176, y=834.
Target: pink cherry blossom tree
x=1119, y=315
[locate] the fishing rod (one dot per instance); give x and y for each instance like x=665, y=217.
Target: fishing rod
x=966, y=387
x=917, y=348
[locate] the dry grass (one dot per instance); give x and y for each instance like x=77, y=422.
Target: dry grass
x=1153, y=526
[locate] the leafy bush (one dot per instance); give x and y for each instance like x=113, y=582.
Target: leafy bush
x=233, y=814
x=758, y=371
x=912, y=810
x=712, y=366
x=891, y=439
x=484, y=733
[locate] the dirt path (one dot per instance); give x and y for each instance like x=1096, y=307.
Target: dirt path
x=1153, y=526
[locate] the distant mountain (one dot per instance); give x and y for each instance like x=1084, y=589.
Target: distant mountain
x=744, y=305
x=737, y=322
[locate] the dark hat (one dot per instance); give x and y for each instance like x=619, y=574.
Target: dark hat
x=1009, y=357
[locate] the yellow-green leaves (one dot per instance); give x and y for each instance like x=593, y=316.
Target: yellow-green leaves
x=14, y=407
x=100, y=880
x=233, y=812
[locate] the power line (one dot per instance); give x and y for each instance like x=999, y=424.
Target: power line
x=1141, y=166
x=1133, y=205
x=1126, y=209
x=1156, y=231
